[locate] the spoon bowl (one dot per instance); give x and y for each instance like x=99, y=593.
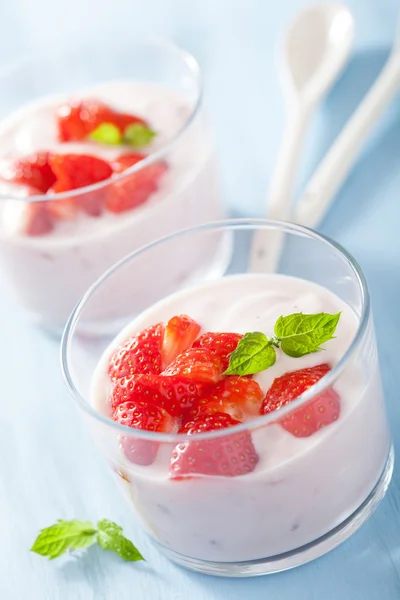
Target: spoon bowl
x=316, y=47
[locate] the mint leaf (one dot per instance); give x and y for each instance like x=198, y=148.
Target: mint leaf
x=110, y=537
x=106, y=133
x=138, y=135
x=253, y=354
x=301, y=334
x=64, y=535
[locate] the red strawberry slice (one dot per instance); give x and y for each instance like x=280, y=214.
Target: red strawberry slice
x=76, y=120
x=221, y=344
x=136, y=188
x=74, y=171
x=63, y=209
x=33, y=171
x=307, y=420
x=173, y=394
x=226, y=456
x=38, y=220
x=140, y=354
x=239, y=397
x=180, y=333
x=141, y=415
x=125, y=161
x=197, y=365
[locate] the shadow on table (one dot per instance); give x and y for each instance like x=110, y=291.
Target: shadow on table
x=381, y=154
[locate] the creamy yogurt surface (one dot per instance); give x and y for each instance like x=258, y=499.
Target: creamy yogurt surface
x=301, y=488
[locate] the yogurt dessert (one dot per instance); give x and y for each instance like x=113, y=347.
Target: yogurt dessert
x=87, y=178
x=209, y=363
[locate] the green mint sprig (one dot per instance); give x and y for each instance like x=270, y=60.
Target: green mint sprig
x=57, y=539
x=107, y=133
x=296, y=335
x=136, y=135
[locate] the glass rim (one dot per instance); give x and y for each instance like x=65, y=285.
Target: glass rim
x=187, y=58
x=261, y=420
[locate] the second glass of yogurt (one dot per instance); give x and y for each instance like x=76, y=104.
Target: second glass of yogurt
x=237, y=475
x=65, y=219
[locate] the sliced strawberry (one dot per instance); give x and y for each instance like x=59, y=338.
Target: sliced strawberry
x=76, y=120
x=33, y=171
x=197, y=365
x=180, y=333
x=125, y=161
x=226, y=456
x=307, y=420
x=140, y=354
x=135, y=189
x=142, y=415
x=38, y=220
x=63, y=209
x=239, y=397
x=123, y=120
x=176, y=395
x=74, y=171
x=221, y=344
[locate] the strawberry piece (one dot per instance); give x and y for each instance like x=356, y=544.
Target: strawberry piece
x=74, y=171
x=142, y=415
x=76, y=120
x=226, y=456
x=322, y=410
x=173, y=394
x=38, y=219
x=180, y=333
x=196, y=365
x=140, y=354
x=125, y=161
x=62, y=209
x=136, y=188
x=221, y=344
x=33, y=171
x=239, y=397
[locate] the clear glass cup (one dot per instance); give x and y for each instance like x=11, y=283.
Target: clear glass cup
x=285, y=512
x=49, y=273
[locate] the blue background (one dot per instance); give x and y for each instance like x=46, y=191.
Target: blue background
x=49, y=468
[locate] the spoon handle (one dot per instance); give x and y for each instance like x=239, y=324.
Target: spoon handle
x=267, y=245
x=336, y=165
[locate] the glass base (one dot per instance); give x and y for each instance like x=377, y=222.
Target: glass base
x=294, y=558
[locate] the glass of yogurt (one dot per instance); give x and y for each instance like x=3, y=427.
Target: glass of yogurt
x=241, y=413
x=102, y=150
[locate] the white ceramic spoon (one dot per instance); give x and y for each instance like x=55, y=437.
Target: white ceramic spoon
x=337, y=163
x=317, y=46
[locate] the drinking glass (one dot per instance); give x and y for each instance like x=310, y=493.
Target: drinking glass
x=290, y=508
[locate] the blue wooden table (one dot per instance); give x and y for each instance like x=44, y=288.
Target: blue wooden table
x=48, y=467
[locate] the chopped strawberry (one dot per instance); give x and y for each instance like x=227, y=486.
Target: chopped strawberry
x=63, y=209
x=74, y=171
x=140, y=354
x=33, y=171
x=123, y=120
x=307, y=420
x=226, y=456
x=239, y=397
x=142, y=415
x=76, y=120
x=174, y=394
x=125, y=161
x=38, y=219
x=136, y=188
x=221, y=344
x=180, y=333
x=197, y=365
